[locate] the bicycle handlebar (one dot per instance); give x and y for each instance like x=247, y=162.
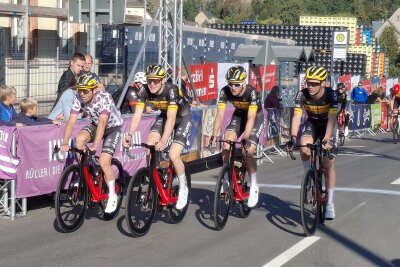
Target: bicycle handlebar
x=152, y=149
x=87, y=151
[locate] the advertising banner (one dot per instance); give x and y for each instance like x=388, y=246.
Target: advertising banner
x=367, y=85
x=205, y=81
x=8, y=163
x=384, y=116
x=256, y=74
x=346, y=79
x=375, y=115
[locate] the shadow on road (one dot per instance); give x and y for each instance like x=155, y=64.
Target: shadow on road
x=204, y=199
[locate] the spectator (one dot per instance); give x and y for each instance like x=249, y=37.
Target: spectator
x=377, y=96
x=272, y=100
x=8, y=96
x=72, y=73
x=87, y=69
x=28, y=114
x=62, y=109
x=359, y=95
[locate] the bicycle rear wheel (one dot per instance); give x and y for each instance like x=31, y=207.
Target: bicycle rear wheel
x=342, y=138
x=71, y=199
x=119, y=189
x=141, y=203
x=222, y=197
x=244, y=210
x=308, y=203
x=175, y=215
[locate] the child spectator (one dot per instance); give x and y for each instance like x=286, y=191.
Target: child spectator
x=28, y=114
x=8, y=96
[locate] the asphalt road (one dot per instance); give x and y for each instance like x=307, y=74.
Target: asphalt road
x=364, y=233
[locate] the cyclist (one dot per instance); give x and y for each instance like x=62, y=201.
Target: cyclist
x=394, y=104
x=320, y=103
x=247, y=119
x=175, y=115
x=342, y=101
x=105, y=124
x=131, y=97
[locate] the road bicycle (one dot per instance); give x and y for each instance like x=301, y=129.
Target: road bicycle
x=341, y=124
x=153, y=189
x=81, y=186
x=232, y=188
x=395, y=129
x=313, y=194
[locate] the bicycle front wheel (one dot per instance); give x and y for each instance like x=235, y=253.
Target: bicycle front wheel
x=309, y=203
x=244, y=210
x=222, y=197
x=141, y=203
x=71, y=199
x=175, y=215
x=119, y=189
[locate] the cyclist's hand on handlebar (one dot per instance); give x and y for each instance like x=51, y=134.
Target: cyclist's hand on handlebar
x=326, y=144
x=290, y=145
x=210, y=142
x=127, y=141
x=160, y=145
x=92, y=148
x=64, y=148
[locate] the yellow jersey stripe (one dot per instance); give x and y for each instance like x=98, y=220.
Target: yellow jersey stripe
x=298, y=111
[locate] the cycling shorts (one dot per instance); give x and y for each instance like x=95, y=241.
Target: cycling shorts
x=238, y=125
x=182, y=128
x=317, y=130
x=111, y=137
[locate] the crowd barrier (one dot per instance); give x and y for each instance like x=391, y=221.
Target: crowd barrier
x=28, y=167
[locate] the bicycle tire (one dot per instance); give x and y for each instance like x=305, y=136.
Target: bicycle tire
x=72, y=194
x=222, y=197
x=308, y=203
x=342, y=139
x=175, y=215
x=141, y=203
x=119, y=190
x=244, y=210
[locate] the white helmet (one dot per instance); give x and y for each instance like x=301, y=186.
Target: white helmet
x=140, y=77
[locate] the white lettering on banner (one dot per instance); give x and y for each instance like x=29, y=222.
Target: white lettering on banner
x=197, y=76
x=36, y=173
x=61, y=155
x=201, y=91
x=56, y=169
x=136, y=139
x=211, y=79
x=3, y=136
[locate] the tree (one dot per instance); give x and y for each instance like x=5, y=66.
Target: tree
x=290, y=12
x=190, y=10
x=388, y=41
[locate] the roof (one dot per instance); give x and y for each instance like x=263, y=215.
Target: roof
x=290, y=53
x=209, y=15
x=247, y=52
x=376, y=24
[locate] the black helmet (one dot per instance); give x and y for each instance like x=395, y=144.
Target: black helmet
x=236, y=74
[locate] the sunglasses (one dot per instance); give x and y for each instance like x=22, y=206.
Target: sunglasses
x=84, y=91
x=313, y=84
x=153, y=81
x=234, y=84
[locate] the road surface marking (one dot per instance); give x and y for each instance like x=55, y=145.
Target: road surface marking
x=396, y=182
x=342, y=189
x=353, y=146
x=292, y=252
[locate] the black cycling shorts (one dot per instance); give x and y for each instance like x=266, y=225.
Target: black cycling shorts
x=317, y=130
x=238, y=125
x=396, y=104
x=111, y=137
x=182, y=128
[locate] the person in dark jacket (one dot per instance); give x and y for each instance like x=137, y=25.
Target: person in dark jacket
x=272, y=100
x=28, y=114
x=77, y=63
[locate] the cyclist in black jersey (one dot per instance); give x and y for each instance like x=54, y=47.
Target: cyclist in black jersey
x=175, y=116
x=247, y=119
x=320, y=104
x=342, y=102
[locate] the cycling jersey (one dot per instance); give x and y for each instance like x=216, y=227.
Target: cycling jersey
x=102, y=103
x=342, y=100
x=248, y=101
x=317, y=109
x=169, y=99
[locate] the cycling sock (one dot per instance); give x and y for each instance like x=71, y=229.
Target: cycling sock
x=306, y=164
x=253, y=179
x=111, y=187
x=182, y=180
x=330, y=195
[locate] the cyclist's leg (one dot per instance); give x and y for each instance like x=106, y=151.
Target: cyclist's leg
x=182, y=131
x=231, y=134
x=155, y=133
x=85, y=135
x=307, y=137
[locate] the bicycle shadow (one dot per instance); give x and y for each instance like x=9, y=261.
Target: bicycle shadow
x=283, y=215
x=204, y=199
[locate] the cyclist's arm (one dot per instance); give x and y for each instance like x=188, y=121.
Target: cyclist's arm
x=101, y=127
x=330, y=126
x=218, y=120
x=298, y=112
x=68, y=129
x=169, y=124
x=137, y=116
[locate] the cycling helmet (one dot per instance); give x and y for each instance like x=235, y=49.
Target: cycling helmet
x=396, y=89
x=88, y=81
x=155, y=71
x=341, y=85
x=316, y=73
x=236, y=74
x=140, y=77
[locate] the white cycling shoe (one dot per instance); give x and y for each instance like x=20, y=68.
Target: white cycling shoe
x=253, y=196
x=182, y=198
x=111, y=203
x=330, y=212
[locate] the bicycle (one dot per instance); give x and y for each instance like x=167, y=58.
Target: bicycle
x=341, y=123
x=81, y=186
x=232, y=185
x=153, y=188
x=395, y=128
x=313, y=194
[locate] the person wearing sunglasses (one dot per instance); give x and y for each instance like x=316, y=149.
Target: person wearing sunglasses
x=175, y=115
x=247, y=119
x=105, y=125
x=321, y=106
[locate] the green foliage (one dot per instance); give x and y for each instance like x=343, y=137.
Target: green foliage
x=290, y=12
x=190, y=9
x=388, y=41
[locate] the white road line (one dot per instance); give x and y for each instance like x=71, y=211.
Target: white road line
x=358, y=154
x=292, y=252
x=353, y=146
x=396, y=182
x=342, y=189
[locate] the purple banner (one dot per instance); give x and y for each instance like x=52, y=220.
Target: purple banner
x=39, y=173
x=8, y=163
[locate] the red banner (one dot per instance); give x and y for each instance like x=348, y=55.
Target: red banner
x=367, y=85
x=256, y=74
x=204, y=77
x=346, y=79
x=384, y=116
x=382, y=83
